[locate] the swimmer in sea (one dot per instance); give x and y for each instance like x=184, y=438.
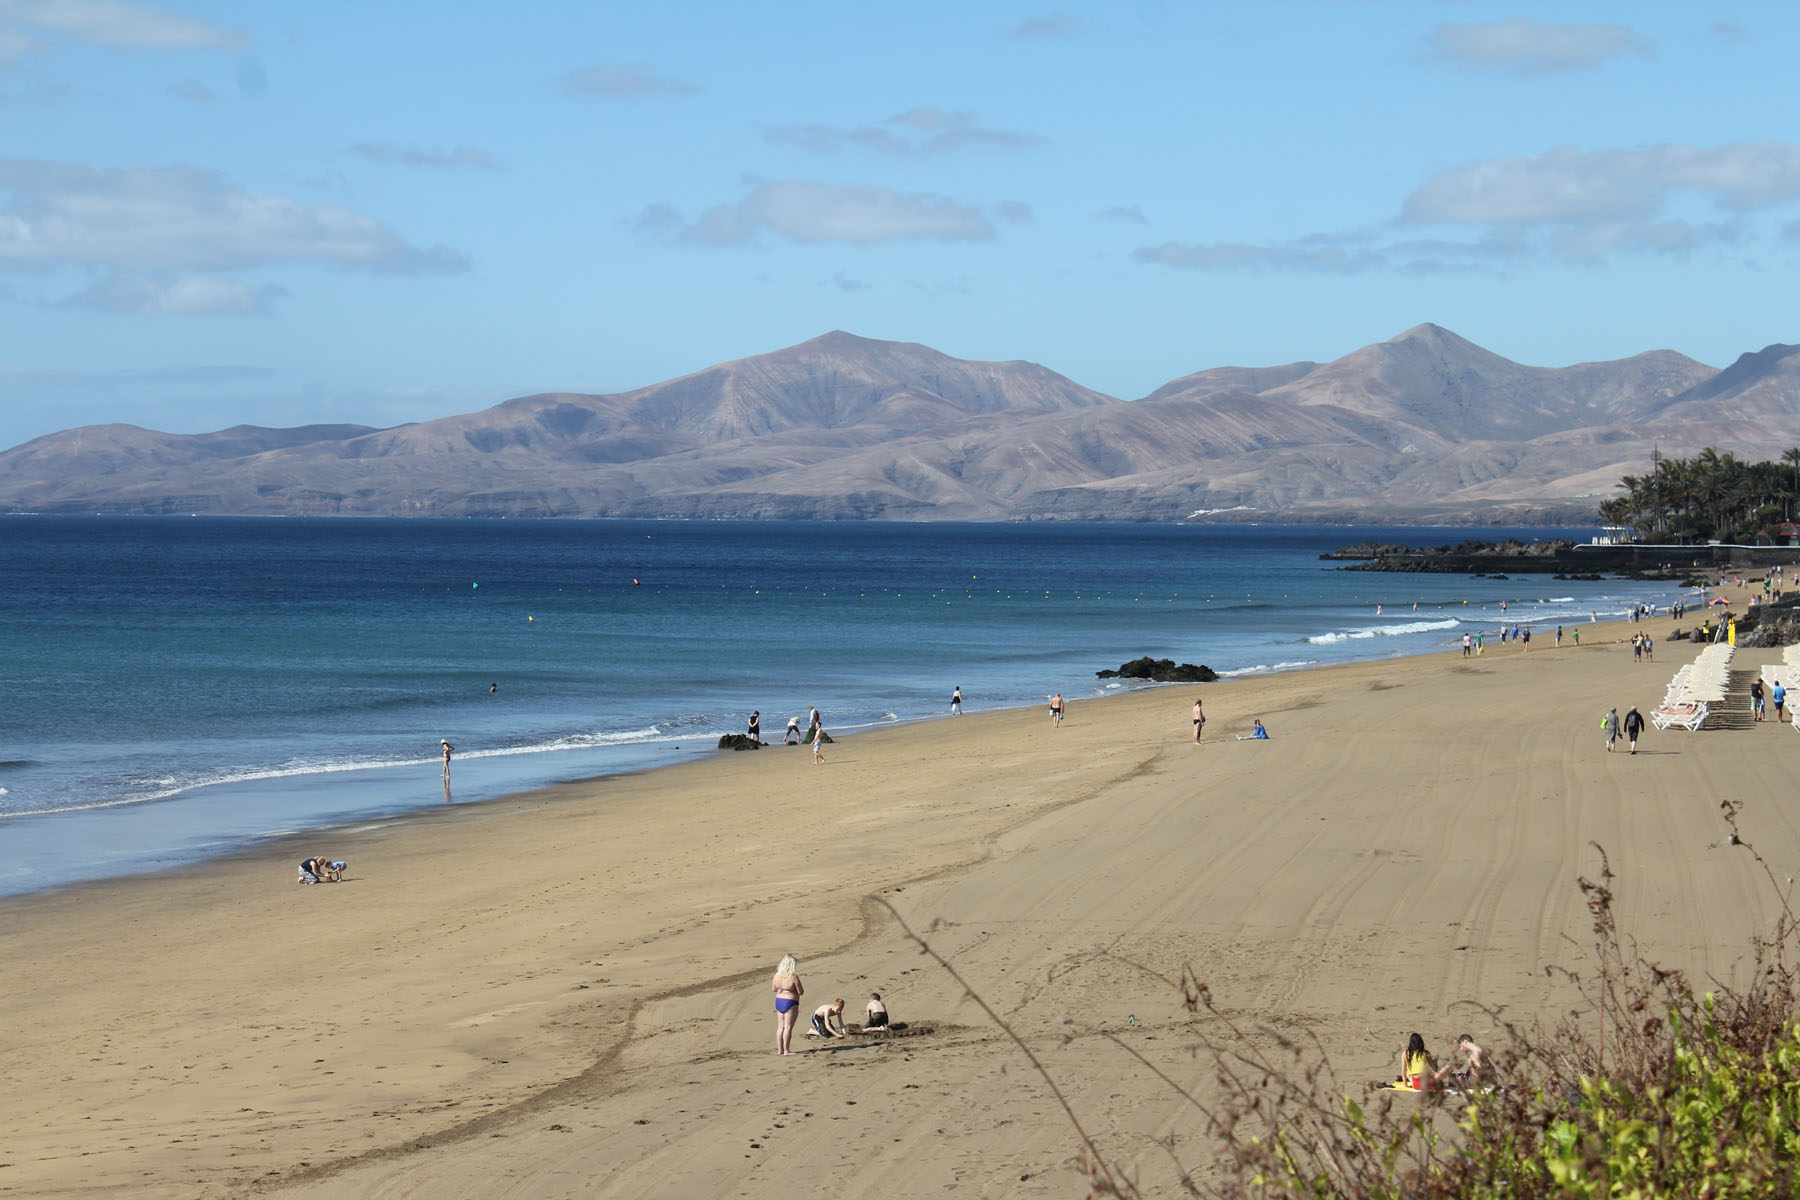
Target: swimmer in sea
x=788, y=991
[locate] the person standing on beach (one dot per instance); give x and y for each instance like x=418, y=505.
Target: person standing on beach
x=813, y=721
x=448, y=751
x=1779, y=695
x=756, y=726
x=1756, y=699
x=1559, y=637
x=1056, y=712
x=1634, y=725
x=818, y=743
x=956, y=702
x=788, y=991
x=1609, y=724
x=1468, y=645
x=1199, y=721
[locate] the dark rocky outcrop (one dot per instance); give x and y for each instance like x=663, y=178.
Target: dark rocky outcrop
x=1161, y=670
x=739, y=741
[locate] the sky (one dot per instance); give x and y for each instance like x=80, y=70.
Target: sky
x=216, y=212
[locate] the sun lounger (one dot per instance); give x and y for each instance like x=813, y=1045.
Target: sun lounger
x=1679, y=716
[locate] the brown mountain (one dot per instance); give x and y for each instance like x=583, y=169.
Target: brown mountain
x=1426, y=424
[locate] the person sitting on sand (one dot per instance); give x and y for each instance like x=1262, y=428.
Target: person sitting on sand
x=1477, y=1070
x=788, y=991
x=877, y=1017
x=828, y=1020
x=1416, y=1066
x=1259, y=733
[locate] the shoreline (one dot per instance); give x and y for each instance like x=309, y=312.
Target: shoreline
x=591, y=955
x=114, y=837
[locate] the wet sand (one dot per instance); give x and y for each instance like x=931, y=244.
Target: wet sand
x=567, y=993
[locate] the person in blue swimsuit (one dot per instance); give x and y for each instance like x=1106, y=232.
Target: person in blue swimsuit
x=788, y=991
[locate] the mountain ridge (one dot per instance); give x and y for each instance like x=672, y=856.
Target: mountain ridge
x=848, y=427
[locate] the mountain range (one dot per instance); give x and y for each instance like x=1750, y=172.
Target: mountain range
x=1424, y=427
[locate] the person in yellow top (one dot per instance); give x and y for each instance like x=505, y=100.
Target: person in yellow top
x=1416, y=1066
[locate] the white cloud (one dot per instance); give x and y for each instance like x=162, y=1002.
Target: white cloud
x=116, y=23
x=802, y=211
x=14, y=46
x=917, y=131
x=1124, y=212
x=1569, y=186
x=1524, y=47
x=391, y=155
x=1240, y=256
x=182, y=219
x=181, y=295
x=1047, y=26
x=191, y=90
x=625, y=81
x=1564, y=206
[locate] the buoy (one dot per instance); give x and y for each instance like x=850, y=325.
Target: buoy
x=635, y=583
x=531, y=618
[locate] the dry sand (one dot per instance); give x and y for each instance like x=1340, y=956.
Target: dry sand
x=567, y=993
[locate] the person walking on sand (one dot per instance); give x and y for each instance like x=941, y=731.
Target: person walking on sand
x=1056, y=712
x=1756, y=699
x=1467, y=645
x=818, y=744
x=1559, y=637
x=788, y=991
x=1609, y=725
x=1779, y=695
x=1199, y=722
x=448, y=751
x=956, y=701
x=1634, y=725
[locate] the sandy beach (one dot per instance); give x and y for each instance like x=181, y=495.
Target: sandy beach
x=567, y=993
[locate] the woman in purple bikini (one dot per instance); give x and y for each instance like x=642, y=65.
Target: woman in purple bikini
x=788, y=991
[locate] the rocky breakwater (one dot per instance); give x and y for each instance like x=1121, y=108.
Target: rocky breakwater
x=1479, y=558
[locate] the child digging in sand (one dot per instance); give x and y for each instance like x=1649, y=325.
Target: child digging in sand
x=828, y=1020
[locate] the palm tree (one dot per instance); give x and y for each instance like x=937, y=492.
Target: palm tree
x=1792, y=455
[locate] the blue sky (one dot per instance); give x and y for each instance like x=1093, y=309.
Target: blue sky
x=280, y=213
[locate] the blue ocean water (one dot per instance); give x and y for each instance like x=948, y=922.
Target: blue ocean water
x=175, y=687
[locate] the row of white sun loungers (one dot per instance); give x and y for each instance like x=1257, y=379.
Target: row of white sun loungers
x=1701, y=683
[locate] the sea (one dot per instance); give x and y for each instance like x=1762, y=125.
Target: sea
x=173, y=688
